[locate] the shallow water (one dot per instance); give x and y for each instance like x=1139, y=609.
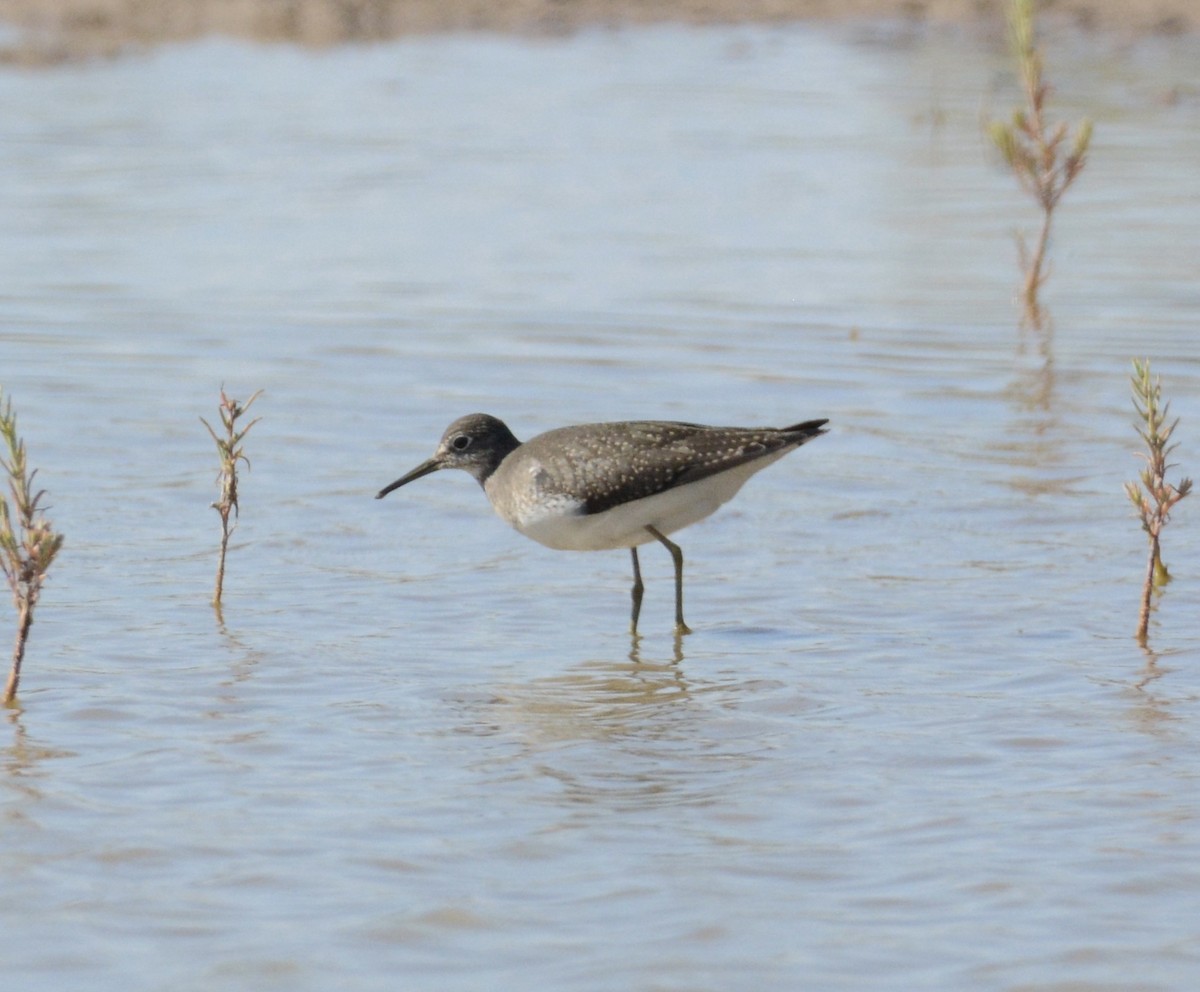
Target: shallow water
x=911, y=744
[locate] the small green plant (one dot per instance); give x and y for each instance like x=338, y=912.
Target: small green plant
x=229, y=449
x=1034, y=150
x=1155, y=497
x=28, y=541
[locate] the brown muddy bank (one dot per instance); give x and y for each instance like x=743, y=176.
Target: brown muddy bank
x=52, y=30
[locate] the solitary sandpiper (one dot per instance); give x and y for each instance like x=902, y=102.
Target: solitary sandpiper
x=595, y=487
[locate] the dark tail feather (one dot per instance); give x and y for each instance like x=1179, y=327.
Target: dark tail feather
x=807, y=430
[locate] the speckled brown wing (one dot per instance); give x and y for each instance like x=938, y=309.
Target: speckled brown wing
x=619, y=463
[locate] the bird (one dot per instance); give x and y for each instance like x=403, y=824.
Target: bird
x=603, y=486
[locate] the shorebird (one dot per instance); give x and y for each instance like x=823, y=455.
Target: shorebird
x=596, y=487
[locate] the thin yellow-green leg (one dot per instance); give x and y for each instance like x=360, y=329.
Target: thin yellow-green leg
x=677, y=557
x=638, y=589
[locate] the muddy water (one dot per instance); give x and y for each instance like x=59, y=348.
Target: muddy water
x=911, y=744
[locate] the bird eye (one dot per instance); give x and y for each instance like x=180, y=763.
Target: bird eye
x=461, y=443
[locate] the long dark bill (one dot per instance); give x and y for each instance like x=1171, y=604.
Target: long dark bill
x=423, y=469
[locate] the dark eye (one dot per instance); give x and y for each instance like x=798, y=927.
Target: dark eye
x=461, y=443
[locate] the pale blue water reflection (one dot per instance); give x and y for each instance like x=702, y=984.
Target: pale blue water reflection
x=911, y=745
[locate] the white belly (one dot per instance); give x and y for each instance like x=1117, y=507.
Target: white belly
x=559, y=524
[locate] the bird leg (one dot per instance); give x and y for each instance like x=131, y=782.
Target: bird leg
x=677, y=557
x=638, y=588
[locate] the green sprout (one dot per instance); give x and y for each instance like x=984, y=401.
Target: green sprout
x=28, y=541
x=1155, y=497
x=229, y=450
x=1035, y=151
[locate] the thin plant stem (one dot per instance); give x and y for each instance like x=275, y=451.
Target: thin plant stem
x=1035, y=273
x=24, y=623
x=1152, y=564
x=229, y=450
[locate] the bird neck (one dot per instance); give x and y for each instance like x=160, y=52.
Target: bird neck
x=501, y=447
